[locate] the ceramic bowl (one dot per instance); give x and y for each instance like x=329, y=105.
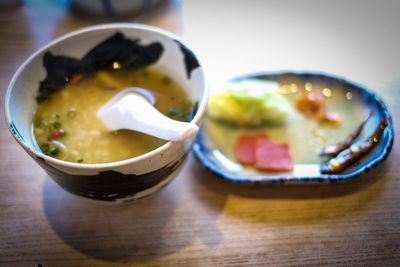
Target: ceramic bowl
x=125, y=180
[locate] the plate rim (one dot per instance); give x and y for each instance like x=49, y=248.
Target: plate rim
x=199, y=147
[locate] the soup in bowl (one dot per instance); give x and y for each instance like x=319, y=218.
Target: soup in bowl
x=52, y=100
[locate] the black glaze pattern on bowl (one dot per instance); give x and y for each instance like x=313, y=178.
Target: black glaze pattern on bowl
x=368, y=98
x=128, y=54
x=109, y=185
x=15, y=132
x=191, y=62
x=194, y=111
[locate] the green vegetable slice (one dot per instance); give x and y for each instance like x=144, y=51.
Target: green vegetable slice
x=250, y=103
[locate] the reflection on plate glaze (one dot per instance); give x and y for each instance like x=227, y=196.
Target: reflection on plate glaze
x=229, y=164
x=215, y=144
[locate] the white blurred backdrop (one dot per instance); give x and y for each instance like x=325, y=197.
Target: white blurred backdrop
x=357, y=39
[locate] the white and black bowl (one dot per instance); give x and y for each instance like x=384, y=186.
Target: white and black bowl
x=117, y=181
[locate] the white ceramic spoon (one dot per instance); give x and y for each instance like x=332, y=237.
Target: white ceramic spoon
x=133, y=109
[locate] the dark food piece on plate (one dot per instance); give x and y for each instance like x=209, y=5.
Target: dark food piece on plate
x=348, y=156
x=332, y=151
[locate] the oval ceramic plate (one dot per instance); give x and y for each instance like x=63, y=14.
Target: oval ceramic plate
x=215, y=143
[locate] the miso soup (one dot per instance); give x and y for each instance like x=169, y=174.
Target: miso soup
x=66, y=127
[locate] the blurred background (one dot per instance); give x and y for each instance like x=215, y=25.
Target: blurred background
x=357, y=38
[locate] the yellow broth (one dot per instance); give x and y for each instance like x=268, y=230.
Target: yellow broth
x=65, y=125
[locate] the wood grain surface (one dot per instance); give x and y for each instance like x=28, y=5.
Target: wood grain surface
x=197, y=220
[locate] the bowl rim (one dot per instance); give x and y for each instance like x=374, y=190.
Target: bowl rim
x=101, y=27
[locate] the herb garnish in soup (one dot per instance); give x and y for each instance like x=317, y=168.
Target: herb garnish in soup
x=66, y=127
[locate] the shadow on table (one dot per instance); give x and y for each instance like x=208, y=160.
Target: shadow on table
x=107, y=231
x=191, y=208
x=295, y=204
x=143, y=230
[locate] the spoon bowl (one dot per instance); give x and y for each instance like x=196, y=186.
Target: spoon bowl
x=133, y=109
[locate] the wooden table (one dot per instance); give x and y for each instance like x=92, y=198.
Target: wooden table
x=199, y=220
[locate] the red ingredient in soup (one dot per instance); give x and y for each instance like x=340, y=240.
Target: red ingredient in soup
x=75, y=79
x=57, y=134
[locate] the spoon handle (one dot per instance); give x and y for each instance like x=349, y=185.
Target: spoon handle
x=134, y=112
